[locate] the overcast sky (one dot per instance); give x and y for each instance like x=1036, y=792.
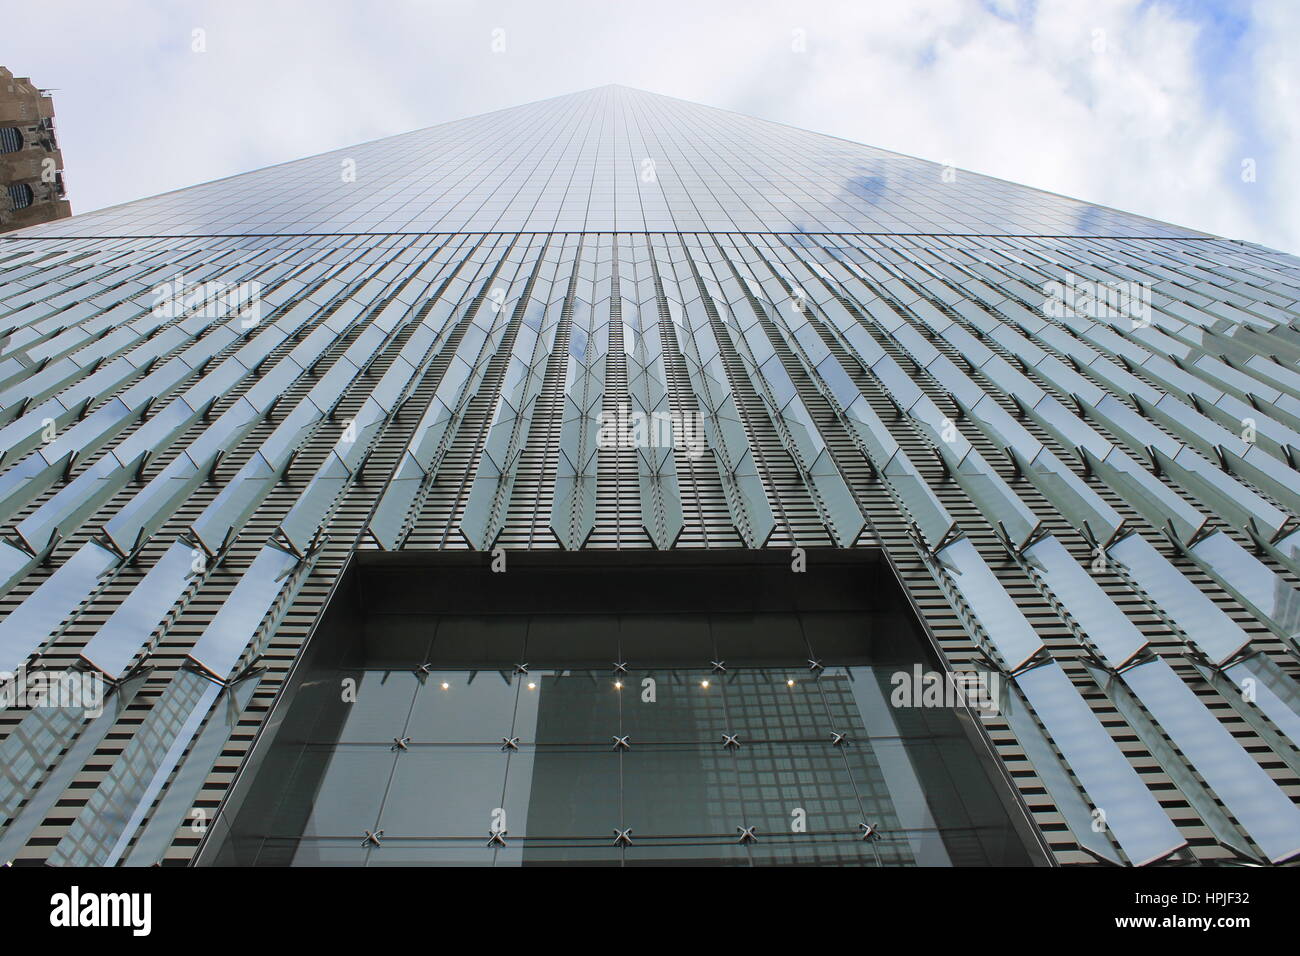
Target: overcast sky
x=1160, y=107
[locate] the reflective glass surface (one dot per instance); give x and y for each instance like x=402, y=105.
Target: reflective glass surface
x=656, y=163
x=813, y=316
x=693, y=731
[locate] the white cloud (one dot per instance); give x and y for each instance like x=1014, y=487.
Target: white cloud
x=1141, y=124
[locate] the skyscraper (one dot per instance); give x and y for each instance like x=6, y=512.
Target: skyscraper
x=617, y=480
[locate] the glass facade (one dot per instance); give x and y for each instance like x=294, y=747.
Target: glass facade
x=615, y=325
x=704, y=736
x=608, y=160
x=679, y=795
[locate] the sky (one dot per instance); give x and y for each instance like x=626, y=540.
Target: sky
x=1178, y=110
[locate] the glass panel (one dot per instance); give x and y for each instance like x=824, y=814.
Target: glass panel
x=1171, y=762
x=30, y=624
x=1276, y=693
x=685, y=792
x=349, y=795
x=1200, y=618
x=1135, y=818
x=382, y=704
x=223, y=642
x=1106, y=626
x=1267, y=813
x=470, y=707
x=448, y=792
x=564, y=795
x=996, y=613
x=131, y=624
x=1250, y=581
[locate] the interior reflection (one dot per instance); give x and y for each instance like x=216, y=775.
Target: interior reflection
x=718, y=709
